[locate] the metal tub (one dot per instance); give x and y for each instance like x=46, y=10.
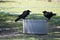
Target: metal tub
x=35, y=26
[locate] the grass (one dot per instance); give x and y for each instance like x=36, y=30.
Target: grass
x=4, y=17
x=36, y=7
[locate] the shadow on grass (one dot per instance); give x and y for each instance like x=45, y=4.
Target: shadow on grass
x=7, y=21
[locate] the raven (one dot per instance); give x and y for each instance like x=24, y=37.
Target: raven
x=48, y=15
x=23, y=15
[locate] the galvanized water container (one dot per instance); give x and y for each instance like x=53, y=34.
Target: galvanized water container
x=35, y=26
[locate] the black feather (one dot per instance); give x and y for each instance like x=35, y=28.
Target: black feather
x=23, y=15
x=48, y=15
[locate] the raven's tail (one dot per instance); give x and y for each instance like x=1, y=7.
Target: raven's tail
x=54, y=14
x=17, y=19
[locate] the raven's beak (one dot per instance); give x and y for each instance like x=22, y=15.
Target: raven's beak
x=29, y=11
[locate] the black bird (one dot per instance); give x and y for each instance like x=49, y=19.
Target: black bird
x=48, y=15
x=23, y=15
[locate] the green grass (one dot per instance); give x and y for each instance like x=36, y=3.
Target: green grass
x=36, y=7
x=4, y=17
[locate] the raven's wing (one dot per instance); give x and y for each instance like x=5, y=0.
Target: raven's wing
x=24, y=14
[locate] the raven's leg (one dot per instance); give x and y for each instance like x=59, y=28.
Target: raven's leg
x=17, y=19
x=47, y=19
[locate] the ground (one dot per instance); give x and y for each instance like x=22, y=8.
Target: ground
x=10, y=10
